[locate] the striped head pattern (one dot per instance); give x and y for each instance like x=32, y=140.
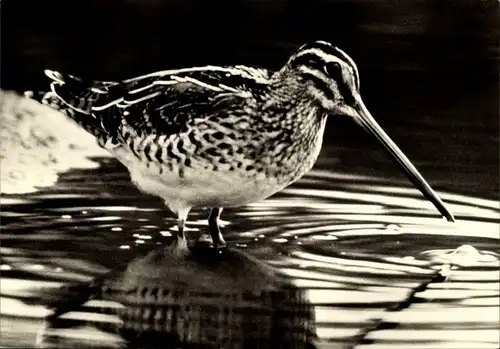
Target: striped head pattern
x=331, y=75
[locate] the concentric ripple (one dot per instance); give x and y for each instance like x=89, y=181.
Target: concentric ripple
x=376, y=261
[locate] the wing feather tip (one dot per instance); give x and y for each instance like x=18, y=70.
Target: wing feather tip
x=54, y=75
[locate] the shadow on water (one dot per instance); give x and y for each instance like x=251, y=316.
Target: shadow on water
x=368, y=260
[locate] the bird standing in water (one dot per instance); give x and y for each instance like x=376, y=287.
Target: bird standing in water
x=223, y=136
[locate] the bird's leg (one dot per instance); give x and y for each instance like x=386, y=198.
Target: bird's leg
x=181, y=236
x=179, y=246
x=213, y=225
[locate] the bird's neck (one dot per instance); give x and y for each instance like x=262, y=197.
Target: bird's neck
x=294, y=124
x=290, y=98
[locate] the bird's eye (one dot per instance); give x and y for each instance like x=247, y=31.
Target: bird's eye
x=333, y=69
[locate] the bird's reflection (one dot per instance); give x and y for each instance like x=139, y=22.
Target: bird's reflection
x=166, y=300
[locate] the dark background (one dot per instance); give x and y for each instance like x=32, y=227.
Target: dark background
x=429, y=69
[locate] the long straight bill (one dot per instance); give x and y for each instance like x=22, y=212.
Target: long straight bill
x=365, y=119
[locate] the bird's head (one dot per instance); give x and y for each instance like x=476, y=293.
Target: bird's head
x=329, y=75
x=331, y=78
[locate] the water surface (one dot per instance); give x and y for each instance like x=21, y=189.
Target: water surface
x=357, y=245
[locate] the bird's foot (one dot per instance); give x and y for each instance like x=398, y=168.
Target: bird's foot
x=206, y=240
x=178, y=248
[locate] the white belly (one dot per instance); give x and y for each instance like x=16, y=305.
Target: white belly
x=198, y=186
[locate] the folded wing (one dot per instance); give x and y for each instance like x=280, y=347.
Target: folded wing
x=162, y=103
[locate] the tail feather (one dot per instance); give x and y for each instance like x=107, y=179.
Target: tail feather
x=75, y=97
x=82, y=95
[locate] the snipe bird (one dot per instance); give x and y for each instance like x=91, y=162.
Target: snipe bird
x=223, y=136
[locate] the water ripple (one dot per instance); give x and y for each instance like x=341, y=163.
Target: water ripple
x=358, y=246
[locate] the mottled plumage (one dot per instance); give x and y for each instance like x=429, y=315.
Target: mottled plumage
x=222, y=136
